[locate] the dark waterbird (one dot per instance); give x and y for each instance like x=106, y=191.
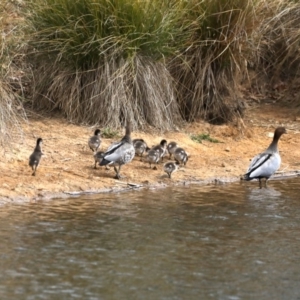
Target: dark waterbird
x=35, y=157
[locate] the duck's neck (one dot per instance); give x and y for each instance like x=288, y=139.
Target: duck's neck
x=127, y=136
x=38, y=148
x=274, y=145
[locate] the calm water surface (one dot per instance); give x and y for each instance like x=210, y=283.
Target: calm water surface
x=217, y=242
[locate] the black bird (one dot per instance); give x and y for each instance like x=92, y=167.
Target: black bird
x=35, y=157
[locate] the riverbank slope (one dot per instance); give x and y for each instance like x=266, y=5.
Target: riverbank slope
x=67, y=166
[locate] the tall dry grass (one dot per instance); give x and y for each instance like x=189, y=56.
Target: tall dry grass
x=12, y=89
x=101, y=62
x=277, y=55
x=157, y=62
x=212, y=62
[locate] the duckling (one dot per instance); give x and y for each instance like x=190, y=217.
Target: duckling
x=120, y=153
x=140, y=147
x=161, y=148
x=180, y=155
x=98, y=156
x=171, y=167
x=95, y=141
x=265, y=164
x=35, y=157
x=153, y=158
x=136, y=140
x=171, y=148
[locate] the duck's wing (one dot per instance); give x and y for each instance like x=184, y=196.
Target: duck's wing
x=112, y=154
x=263, y=165
x=258, y=161
x=122, y=152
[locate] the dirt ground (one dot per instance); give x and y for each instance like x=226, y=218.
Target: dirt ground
x=66, y=168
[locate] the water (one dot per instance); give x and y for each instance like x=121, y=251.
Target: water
x=217, y=242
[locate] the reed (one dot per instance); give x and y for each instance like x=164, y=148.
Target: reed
x=13, y=84
x=157, y=62
x=276, y=58
x=211, y=64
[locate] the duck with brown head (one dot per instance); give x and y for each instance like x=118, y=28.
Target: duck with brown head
x=120, y=153
x=265, y=164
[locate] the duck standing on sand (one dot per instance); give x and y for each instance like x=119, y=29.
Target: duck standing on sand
x=95, y=141
x=140, y=147
x=120, y=153
x=98, y=156
x=35, y=157
x=171, y=167
x=181, y=156
x=171, y=148
x=161, y=149
x=265, y=164
x=153, y=158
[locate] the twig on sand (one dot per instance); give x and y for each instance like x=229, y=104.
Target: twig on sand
x=133, y=185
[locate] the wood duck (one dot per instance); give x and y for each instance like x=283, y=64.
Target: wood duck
x=265, y=164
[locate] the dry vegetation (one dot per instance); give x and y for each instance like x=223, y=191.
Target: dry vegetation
x=159, y=63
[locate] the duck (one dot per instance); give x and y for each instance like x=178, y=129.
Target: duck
x=35, y=157
x=161, y=149
x=171, y=167
x=153, y=157
x=95, y=141
x=265, y=164
x=171, y=148
x=140, y=147
x=98, y=156
x=181, y=156
x=120, y=153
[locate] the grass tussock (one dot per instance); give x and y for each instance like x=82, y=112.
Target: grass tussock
x=277, y=56
x=13, y=85
x=156, y=62
x=212, y=63
x=103, y=61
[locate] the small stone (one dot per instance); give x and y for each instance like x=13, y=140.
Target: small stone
x=227, y=149
x=223, y=165
x=270, y=134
